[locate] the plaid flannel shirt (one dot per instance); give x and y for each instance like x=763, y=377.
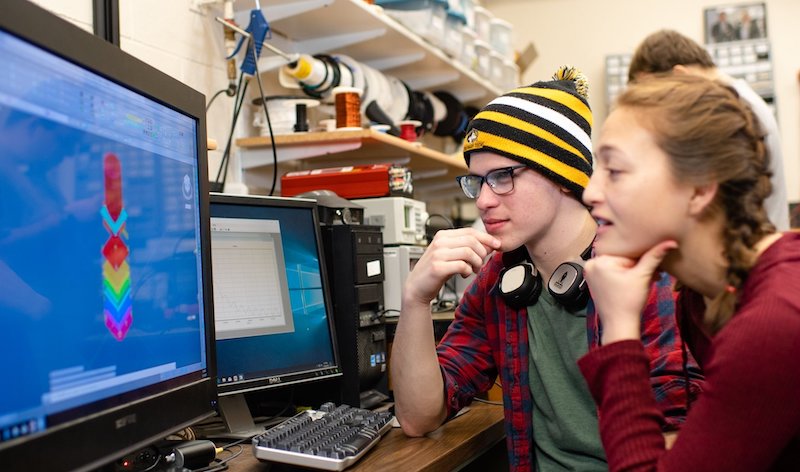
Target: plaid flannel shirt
x=487, y=337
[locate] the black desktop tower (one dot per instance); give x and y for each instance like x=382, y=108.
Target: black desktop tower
x=354, y=260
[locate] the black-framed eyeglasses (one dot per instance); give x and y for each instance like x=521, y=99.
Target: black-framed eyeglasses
x=501, y=181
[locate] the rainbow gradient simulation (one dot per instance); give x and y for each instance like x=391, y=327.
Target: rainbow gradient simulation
x=118, y=309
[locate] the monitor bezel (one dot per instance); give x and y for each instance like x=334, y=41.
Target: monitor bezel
x=103, y=436
x=291, y=378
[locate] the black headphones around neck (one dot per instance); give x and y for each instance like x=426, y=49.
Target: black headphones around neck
x=520, y=283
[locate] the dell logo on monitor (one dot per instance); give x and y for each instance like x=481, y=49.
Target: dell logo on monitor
x=125, y=421
x=274, y=380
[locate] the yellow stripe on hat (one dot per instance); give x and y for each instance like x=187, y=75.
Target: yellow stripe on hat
x=562, y=97
x=551, y=163
x=530, y=128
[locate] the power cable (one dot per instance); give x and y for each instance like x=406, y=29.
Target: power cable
x=269, y=126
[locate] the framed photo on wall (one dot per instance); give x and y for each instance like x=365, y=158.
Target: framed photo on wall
x=728, y=23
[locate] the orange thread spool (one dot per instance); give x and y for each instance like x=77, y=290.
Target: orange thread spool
x=348, y=107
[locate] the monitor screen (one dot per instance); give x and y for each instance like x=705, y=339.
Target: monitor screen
x=104, y=250
x=271, y=302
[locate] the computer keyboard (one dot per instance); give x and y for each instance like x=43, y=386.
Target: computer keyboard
x=333, y=437
x=371, y=398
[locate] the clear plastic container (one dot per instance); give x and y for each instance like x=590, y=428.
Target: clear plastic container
x=424, y=17
x=468, y=57
x=405, y=4
x=511, y=77
x=436, y=26
x=282, y=113
x=483, y=17
x=417, y=21
x=455, y=6
x=453, y=41
x=482, y=51
x=497, y=69
x=468, y=7
x=500, y=36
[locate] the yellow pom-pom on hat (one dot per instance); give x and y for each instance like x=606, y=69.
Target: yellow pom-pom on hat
x=546, y=125
x=574, y=74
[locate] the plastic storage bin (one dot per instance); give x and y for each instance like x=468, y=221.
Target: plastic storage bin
x=455, y=6
x=482, y=65
x=497, y=69
x=468, y=8
x=413, y=14
x=424, y=17
x=282, y=113
x=438, y=20
x=453, y=38
x=468, y=58
x=483, y=17
x=500, y=36
x=510, y=74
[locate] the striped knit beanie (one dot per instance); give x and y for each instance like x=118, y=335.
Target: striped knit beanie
x=546, y=125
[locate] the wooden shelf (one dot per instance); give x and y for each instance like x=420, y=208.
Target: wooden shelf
x=433, y=172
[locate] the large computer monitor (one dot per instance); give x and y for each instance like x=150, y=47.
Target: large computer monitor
x=106, y=329
x=274, y=323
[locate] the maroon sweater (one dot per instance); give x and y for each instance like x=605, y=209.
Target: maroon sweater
x=748, y=416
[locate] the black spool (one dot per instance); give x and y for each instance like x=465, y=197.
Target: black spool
x=301, y=122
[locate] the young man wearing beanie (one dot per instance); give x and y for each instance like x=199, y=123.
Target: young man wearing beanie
x=669, y=51
x=525, y=318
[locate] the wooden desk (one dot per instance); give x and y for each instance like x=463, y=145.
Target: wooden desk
x=451, y=447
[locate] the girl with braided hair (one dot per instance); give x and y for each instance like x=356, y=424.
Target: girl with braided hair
x=681, y=174
x=526, y=318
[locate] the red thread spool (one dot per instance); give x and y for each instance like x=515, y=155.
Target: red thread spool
x=348, y=107
x=408, y=129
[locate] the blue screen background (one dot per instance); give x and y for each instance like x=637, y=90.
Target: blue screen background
x=310, y=345
x=51, y=281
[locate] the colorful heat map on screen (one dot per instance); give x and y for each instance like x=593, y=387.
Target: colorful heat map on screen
x=117, y=308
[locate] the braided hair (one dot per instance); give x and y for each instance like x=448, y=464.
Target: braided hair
x=711, y=135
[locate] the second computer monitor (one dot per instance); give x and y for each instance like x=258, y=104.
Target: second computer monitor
x=273, y=311
x=105, y=321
